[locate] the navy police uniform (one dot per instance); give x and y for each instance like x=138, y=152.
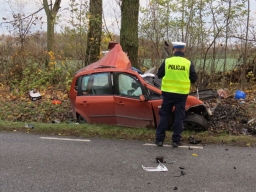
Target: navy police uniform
x=175, y=88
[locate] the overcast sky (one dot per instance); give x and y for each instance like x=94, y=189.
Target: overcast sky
x=110, y=8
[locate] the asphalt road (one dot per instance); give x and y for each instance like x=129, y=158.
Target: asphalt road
x=37, y=163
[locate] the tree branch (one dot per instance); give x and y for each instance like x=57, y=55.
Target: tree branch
x=242, y=38
x=24, y=17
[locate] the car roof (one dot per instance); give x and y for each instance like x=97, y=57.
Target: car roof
x=115, y=58
x=106, y=69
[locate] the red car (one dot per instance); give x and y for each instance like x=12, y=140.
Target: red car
x=110, y=92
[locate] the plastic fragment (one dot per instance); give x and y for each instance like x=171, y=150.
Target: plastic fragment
x=56, y=102
x=34, y=95
x=251, y=120
x=161, y=167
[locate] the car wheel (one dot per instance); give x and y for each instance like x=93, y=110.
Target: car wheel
x=80, y=119
x=195, y=122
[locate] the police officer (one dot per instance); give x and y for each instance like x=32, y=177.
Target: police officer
x=177, y=74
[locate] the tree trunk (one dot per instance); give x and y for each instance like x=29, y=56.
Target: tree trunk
x=129, y=29
x=95, y=32
x=243, y=80
x=50, y=34
x=226, y=45
x=51, y=13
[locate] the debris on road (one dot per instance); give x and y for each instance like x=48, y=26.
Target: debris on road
x=182, y=173
x=160, y=159
x=192, y=140
x=161, y=167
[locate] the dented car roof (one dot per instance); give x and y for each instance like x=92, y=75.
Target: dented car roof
x=115, y=58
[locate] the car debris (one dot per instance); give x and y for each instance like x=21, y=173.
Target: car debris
x=34, y=95
x=182, y=173
x=160, y=168
x=29, y=126
x=192, y=140
x=251, y=121
x=56, y=102
x=231, y=116
x=160, y=158
x=56, y=121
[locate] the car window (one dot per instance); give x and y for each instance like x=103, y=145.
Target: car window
x=84, y=83
x=153, y=95
x=129, y=86
x=96, y=84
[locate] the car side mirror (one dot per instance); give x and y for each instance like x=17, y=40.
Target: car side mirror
x=142, y=98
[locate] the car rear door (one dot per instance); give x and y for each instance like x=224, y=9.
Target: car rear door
x=95, y=101
x=130, y=111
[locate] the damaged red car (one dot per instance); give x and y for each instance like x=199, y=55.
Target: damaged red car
x=110, y=92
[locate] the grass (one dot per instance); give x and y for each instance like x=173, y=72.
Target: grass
x=230, y=64
x=115, y=132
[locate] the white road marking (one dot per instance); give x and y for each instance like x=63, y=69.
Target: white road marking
x=65, y=139
x=183, y=146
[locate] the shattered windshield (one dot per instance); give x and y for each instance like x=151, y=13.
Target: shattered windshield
x=151, y=78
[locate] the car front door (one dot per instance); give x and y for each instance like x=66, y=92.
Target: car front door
x=130, y=111
x=95, y=101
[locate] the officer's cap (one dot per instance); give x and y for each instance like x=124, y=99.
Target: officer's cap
x=178, y=45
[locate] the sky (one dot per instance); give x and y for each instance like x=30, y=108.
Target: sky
x=111, y=12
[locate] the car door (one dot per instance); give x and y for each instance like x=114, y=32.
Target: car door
x=130, y=111
x=95, y=101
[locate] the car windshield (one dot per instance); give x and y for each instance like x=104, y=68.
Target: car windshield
x=151, y=78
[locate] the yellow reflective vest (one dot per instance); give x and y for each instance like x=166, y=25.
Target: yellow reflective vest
x=176, y=79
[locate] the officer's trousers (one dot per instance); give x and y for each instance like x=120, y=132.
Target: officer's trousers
x=171, y=100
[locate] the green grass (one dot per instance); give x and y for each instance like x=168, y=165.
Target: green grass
x=115, y=132
x=230, y=64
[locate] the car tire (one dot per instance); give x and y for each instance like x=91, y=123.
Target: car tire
x=80, y=119
x=195, y=122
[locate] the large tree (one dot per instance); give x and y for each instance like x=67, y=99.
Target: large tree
x=129, y=29
x=95, y=31
x=51, y=11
